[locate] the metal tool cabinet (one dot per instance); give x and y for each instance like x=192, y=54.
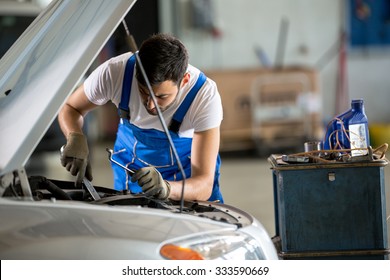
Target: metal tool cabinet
x=330, y=211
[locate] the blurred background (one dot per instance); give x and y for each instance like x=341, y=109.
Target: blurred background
x=284, y=69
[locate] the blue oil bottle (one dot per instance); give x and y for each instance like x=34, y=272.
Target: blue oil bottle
x=357, y=127
x=335, y=134
x=349, y=130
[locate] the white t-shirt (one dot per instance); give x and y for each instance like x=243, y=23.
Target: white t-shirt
x=105, y=84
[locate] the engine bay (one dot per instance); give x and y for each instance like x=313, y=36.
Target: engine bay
x=43, y=188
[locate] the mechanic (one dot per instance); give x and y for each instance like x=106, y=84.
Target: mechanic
x=190, y=104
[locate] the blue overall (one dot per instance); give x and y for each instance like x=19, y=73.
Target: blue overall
x=135, y=147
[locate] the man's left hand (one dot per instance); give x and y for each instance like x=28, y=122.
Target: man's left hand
x=152, y=182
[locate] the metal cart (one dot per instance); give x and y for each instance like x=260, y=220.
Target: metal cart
x=330, y=210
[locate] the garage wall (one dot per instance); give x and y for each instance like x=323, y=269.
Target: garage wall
x=313, y=31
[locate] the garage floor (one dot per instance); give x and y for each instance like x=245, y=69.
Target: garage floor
x=246, y=181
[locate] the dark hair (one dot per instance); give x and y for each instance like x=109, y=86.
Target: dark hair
x=164, y=58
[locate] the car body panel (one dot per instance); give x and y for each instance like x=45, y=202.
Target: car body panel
x=63, y=230
x=59, y=45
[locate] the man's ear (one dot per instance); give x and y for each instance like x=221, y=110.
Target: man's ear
x=186, y=79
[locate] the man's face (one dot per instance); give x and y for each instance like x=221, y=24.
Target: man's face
x=165, y=93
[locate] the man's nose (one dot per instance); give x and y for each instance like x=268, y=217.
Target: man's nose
x=150, y=103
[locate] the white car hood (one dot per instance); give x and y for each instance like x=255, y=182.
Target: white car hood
x=43, y=67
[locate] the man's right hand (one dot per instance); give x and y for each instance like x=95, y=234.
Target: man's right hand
x=74, y=155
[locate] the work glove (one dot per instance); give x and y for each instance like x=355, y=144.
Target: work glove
x=152, y=183
x=74, y=155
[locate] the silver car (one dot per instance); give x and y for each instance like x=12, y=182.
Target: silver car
x=45, y=218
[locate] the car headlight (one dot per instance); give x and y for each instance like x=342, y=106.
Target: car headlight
x=214, y=246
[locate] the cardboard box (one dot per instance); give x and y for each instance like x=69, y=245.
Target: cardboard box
x=237, y=89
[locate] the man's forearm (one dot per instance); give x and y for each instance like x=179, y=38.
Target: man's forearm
x=70, y=120
x=196, y=188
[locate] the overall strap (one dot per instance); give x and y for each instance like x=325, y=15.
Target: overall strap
x=178, y=117
x=123, y=109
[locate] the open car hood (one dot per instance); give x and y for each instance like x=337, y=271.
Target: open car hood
x=43, y=67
